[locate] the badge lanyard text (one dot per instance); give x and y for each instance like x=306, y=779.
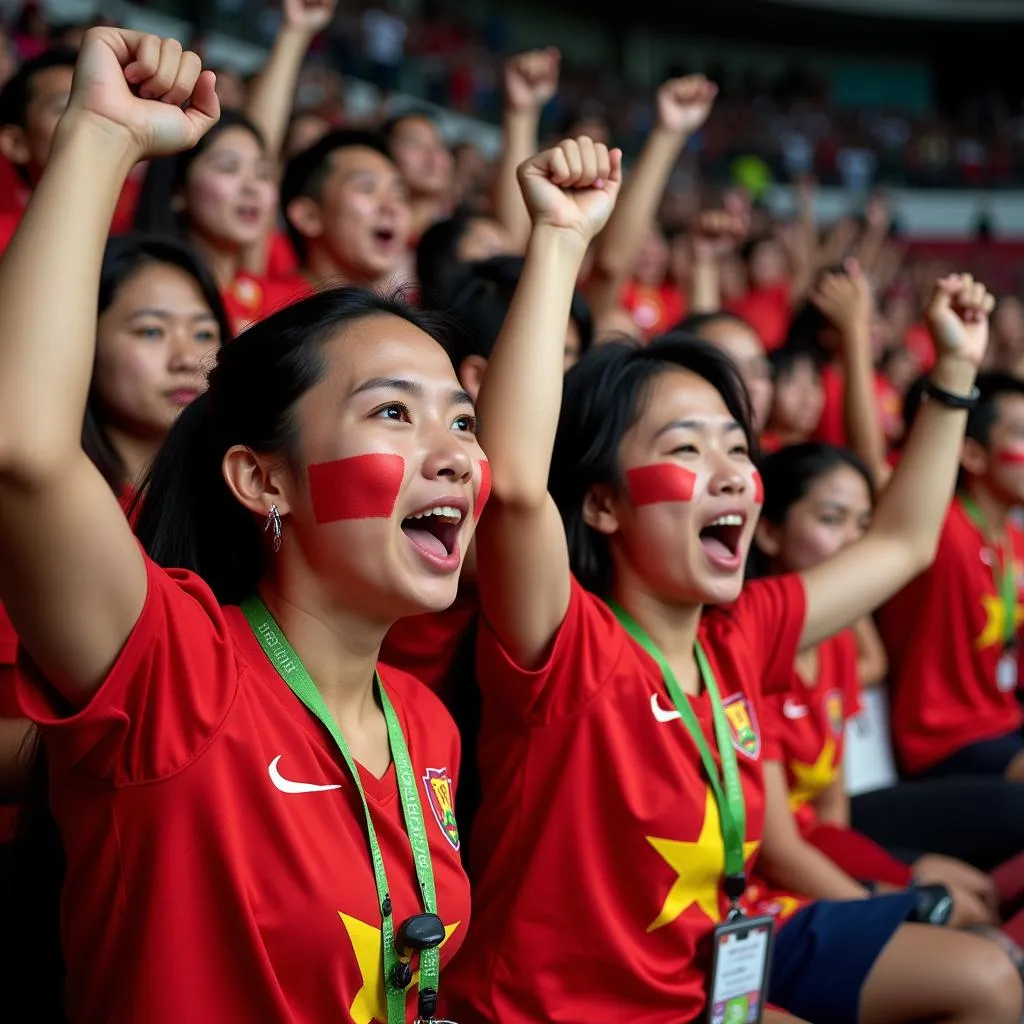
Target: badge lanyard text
x=292, y=671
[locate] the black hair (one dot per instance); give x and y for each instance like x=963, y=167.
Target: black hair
x=696, y=322
x=788, y=475
x=982, y=417
x=605, y=394
x=478, y=297
x=165, y=179
x=437, y=255
x=785, y=360
x=124, y=257
x=17, y=93
x=390, y=126
x=187, y=517
x=306, y=172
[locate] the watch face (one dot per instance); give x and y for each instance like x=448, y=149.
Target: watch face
x=942, y=911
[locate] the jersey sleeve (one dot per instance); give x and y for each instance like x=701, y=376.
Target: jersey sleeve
x=770, y=613
x=586, y=648
x=162, y=701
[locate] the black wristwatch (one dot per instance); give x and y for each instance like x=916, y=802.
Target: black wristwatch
x=933, y=904
x=950, y=398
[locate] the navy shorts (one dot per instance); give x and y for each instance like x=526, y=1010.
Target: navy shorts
x=824, y=953
x=986, y=757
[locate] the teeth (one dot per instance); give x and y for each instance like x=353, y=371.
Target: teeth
x=731, y=520
x=446, y=511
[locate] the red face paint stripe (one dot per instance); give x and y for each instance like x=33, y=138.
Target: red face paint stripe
x=1010, y=458
x=758, y=488
x=362, y=487
x=485, y=489
x=662, y=482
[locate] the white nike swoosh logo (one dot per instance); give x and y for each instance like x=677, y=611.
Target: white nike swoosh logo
x=794, y=711
x=287, y=786
x=660, y=713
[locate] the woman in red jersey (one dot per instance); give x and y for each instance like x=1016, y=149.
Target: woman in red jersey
x=258, y=825
x=160, y=324
x=160, y=316
x=819, y=500
x=620, y=742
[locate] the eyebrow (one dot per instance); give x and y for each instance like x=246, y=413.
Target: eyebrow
x=696, y=425
x=457, y=396
x=164, y=313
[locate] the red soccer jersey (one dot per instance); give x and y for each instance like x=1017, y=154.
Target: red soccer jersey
x=251, y=299
x=598, y=855
x=944, y=635
x=805, y=724
x=832, y=425
x=426, y=645
x=768, y=310
x=218, y=868
x=654, y=310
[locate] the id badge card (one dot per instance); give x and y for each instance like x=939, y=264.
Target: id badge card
x=1006, y=671
x=739, y=971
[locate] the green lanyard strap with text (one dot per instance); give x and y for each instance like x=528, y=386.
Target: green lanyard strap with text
x=291, y=669
x=728, y=790
x=1005, y=579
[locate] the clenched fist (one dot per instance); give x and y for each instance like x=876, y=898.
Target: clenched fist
x=144, y=90
x=573, y=186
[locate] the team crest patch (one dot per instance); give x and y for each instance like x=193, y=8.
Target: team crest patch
x=746, y=736
x=438, y=785
x=834, y=710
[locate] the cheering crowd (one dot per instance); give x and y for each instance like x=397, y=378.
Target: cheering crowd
x=434, y=591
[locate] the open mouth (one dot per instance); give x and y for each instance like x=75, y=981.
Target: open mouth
x=384, y=236
x=721, y=537
x=434, y=531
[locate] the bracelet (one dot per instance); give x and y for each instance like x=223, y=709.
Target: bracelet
x=950, y=399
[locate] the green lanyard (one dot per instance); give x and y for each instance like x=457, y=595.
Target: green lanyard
x=1006, y=580
x=292, y=671
x=728, y=790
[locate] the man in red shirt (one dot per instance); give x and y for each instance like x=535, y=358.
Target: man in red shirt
x=348, y=214
x=31, y=104
x=953, y=633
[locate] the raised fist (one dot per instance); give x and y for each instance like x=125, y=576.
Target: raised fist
x=957, y=317
x=844, y=299
x=717, y=232
x=684, y=103
x=309, y=15
x=531, y=79
x=134, y=85
x=573, y=186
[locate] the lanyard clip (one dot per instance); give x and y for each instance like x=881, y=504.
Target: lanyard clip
x=734, y=886
x=426, y=1004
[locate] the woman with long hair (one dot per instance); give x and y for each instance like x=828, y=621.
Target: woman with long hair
x=623, y=790
x=257, y=823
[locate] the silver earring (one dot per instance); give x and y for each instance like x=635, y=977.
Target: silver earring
x=272, y=524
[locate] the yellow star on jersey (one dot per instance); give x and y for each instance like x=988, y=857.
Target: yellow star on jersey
x=371, y=1001
x=994, y=633
x=700, y=866
x=811, y=779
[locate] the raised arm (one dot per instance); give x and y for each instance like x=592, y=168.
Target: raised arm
x=530, y=81
x=845, y=301
x=522, y=557
x=73, y=580
x=273, y=95
x=905, y=530
x=683, y=105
